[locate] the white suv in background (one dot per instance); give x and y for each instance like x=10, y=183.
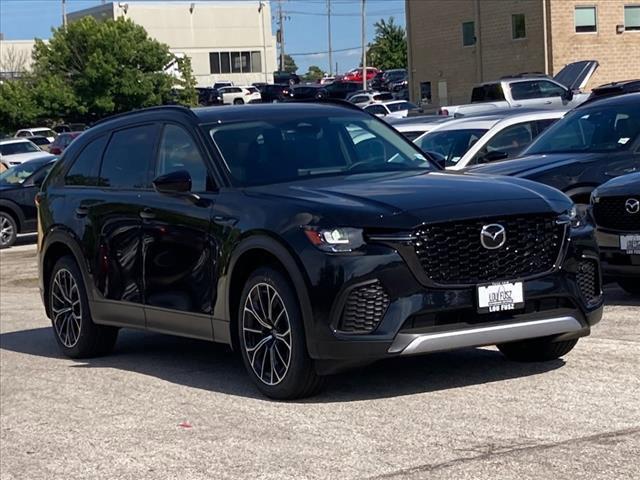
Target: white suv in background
x=32, y=132
x=487, y=138
x=14, y=151
x=236, y=95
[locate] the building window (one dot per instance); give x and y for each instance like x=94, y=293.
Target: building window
x=632, y=18
x=586, y=20
x=235, y=62
x=468, y=34
x=518, y=27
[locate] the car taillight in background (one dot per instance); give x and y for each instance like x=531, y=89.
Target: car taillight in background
x=443, y=111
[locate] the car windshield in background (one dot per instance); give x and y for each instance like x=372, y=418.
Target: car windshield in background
x=398, y=107
x=17, y=148
x=18, y=174
x=45, y=133
x=451, y=144
x=603, y=130
x=282, y=150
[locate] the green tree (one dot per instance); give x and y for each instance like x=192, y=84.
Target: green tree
x=17, y=106
x=290, y=64
x=389, y=47
x=188, y=94
x=91, y=69
x=314, y=74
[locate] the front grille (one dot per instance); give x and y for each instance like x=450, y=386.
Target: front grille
x=588, y=281
x=364, y=308
x=610, y=212
x=452, y=254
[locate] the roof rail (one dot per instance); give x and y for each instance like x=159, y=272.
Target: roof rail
x=526, y=75
x=334, y=101
x=144, y=110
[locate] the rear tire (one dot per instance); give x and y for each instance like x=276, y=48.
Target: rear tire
x=238, y=101
x=629, y=285
x=8, y=230
x=272, y=340
x=536, y=350
x=74, y=330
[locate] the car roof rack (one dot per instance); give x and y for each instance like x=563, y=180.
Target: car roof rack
x=179, y=108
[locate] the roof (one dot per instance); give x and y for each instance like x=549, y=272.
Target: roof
x=623, y=99
x=489, y=120
x=6, y=141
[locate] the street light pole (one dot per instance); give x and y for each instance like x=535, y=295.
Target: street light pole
x=364, y=48
x=64, y=13
x=329, y=27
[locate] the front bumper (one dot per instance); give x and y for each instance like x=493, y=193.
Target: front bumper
x=615, y=262
x=423, y=319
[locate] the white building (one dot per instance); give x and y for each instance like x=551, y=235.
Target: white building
x=225, y=40
x=15, y=57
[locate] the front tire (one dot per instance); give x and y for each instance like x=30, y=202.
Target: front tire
x=271, y=338
x=238, y=101
x=536, y=349
x=630, y=285
x=8, y=230
x=74, y=330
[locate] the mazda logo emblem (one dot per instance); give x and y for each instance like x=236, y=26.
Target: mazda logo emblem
x=493, y=236
x=632, y=205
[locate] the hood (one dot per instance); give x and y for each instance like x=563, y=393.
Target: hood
x=531, y=163
x=25, y=157
x=5, y=187
x=405, y=200
x=624, y=185
x=576, y=75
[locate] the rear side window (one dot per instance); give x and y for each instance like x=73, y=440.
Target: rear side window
x=487, y=93
x=128, y=158
x=84, y=171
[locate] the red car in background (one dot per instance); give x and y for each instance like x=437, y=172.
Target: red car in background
x=62, y=141
x=355, y=75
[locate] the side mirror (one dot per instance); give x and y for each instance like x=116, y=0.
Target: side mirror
x=173, y=182
x=568, y=95
x=493, y=156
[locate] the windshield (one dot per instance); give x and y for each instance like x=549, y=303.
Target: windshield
x=451, y=144
x=18, y=174
x=17, y=148
x=607, y=129
x=281, y=150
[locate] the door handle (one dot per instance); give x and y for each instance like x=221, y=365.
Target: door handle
x=548, y=103
x=147, y=214
x=82, y=211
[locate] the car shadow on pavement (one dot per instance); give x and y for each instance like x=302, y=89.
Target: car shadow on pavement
x=213, y=367
x=614, y=295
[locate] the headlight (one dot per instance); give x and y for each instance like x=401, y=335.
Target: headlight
x=335, y=239
x=573, y=217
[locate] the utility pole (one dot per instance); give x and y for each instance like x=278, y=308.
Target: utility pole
x=281, y=30
x=64, y=13
x=364, y=48
x=329, y=25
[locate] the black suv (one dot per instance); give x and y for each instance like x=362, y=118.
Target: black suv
x=616, y=210
x=311, y=237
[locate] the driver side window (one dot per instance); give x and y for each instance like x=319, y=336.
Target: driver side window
x=178, y=151
x=511, y=141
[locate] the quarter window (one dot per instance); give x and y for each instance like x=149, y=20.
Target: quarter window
x=632, y=18
x=84, y=171
x=376, y=110
x=127, y=160
x=518, y=26
x=178, y=151
x=585, y=19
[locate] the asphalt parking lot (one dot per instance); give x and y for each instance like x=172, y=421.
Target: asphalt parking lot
x=162, y=407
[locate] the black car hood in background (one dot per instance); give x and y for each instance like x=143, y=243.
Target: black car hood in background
x=531, y=163
x=624, y=185
x=576, y=75
x=405, y=200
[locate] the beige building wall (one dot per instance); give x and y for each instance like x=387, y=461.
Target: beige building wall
x=15, y=57
x=197, y=28
x=617, y=53
x=436, y=53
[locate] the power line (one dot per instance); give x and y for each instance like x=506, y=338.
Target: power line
x=325, y=52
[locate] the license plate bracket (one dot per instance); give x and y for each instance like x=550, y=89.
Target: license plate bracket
x=500, y=296
x=630, y=244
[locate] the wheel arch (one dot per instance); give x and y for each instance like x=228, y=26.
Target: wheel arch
x=259, y=251
x=58, y=244
x=580, y=192
x=14, y=210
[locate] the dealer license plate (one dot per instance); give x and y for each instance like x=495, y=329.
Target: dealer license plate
x=630, y=244
x=500, y=297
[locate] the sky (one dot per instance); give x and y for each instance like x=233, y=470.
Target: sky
x=306, y=35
